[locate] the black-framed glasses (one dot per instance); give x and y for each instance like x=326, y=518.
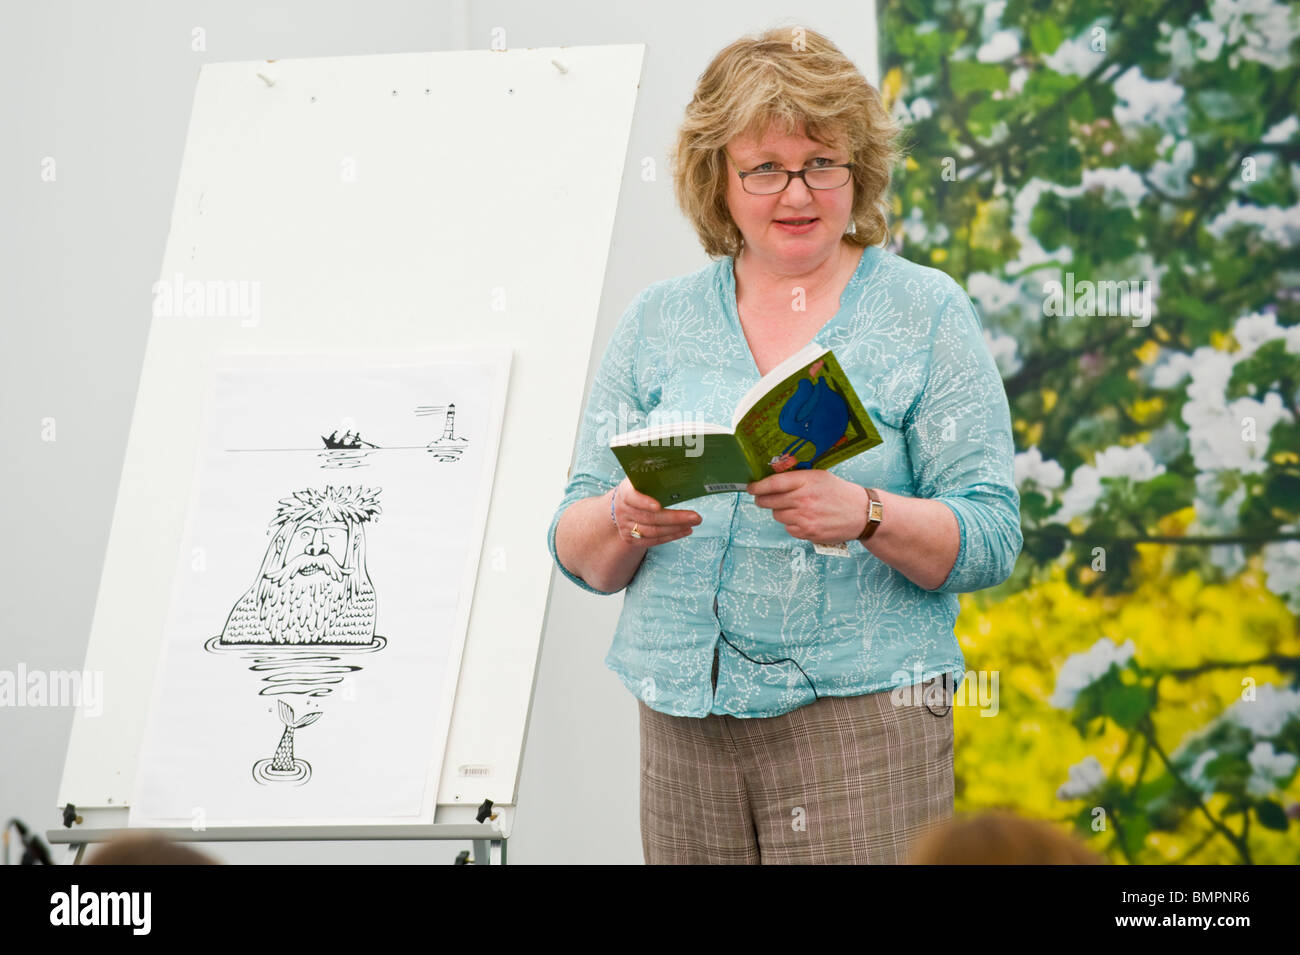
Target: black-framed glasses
x=814, y=177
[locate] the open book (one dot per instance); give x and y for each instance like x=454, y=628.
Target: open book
x=801, y=414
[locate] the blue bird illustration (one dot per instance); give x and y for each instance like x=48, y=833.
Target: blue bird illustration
x=815, y=414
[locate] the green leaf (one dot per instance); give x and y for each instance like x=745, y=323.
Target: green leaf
x=1271, y=815
x=1045, y=36
x=1044, y=547
x=1136, y=828
x=967, y=77
x=981, y=119
x=1044, y=87
x=1034, y=504
x=1126, y=705
x=1165, y=493
x=1081, y=109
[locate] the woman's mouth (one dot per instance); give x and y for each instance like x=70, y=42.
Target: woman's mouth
x=796, y=226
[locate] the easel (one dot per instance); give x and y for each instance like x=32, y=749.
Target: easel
x=488, y=849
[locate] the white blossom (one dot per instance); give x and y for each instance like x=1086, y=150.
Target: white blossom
x=1085, y=778
x=1215, y=516
x=1212, y=40
x=1282, y=131
x=1031, y=252
x=1081, y=670
x=913, y=227
x=1218, y=435
x=1211, y=370
x=1196, y=774
x=1259, y=328
x=1172, y=177
x=1264, y=28
x=991, y=293
x=1112, y=181
x=1003, y=350
x=1000, y=46
x=992, y=16
x=1076, y=57
x=1030, y=466
x=1166, y=443
x=1177, y=45
x=1277, y=225
x=1134, y=463
x=1268, y=768
x=1282, y=570
x=1171, y=369
x=1267, y=713
x=1142, y=102
x=1121, y=180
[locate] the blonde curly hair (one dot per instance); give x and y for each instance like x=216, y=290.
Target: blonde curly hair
x=787, y=76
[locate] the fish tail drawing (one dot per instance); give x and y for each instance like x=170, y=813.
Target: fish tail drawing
x=283, y=759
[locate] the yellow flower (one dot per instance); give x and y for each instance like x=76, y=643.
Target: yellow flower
x=890, y=86
x=1144, y=410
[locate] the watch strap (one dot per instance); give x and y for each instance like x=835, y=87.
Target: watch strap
x=875, y=514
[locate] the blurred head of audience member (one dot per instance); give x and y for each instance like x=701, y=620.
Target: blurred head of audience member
x=146, y=848
x=1000, y=838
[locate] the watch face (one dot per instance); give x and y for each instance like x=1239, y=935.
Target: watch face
x=876, y=513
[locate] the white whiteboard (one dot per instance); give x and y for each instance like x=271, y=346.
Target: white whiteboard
x=413, y=201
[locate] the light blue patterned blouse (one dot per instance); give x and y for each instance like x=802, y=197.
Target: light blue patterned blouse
x=794, y=620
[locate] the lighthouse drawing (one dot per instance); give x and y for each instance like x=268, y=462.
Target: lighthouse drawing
x=449, y=446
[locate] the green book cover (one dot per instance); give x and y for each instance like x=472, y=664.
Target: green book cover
x=802, y=414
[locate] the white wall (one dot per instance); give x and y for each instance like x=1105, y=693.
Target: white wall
x=105, y=89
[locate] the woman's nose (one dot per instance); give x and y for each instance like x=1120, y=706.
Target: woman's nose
x=797, y=193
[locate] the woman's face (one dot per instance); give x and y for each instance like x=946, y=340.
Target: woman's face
x=759, y=218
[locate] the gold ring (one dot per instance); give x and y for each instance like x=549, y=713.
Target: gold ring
x=635, y=533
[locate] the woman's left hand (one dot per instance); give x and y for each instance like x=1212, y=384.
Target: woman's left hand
x=814, y=505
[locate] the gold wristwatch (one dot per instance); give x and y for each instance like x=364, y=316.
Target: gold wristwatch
x=875, y=514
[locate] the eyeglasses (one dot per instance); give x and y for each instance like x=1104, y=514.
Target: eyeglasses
x=770, y=183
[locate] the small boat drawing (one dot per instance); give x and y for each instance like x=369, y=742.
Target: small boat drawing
x=349, y=442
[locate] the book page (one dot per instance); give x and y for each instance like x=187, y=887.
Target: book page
x=799, y=359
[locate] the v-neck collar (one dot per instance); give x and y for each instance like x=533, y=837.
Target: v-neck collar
x=727, y=290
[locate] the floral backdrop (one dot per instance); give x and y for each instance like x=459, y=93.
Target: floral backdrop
x=1118, y=189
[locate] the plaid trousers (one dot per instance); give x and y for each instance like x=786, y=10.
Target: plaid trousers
x=841, y=780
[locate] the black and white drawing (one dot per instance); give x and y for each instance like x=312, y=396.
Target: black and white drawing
x=283, y=767
x=312, y=591
x=313, y=586
x=310, y=616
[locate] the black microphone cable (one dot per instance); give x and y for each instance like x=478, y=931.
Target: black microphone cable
x=768, y=663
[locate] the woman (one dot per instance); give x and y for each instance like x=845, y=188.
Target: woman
x=774, y=681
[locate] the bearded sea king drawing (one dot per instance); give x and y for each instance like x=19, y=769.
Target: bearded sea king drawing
x=313, y=587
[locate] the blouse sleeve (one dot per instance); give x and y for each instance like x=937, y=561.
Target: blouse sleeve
x=613, y=407
x=959, y=438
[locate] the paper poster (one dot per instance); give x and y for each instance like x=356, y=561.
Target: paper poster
x=322, y=591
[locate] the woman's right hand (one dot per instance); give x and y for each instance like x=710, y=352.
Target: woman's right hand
x=655, y=523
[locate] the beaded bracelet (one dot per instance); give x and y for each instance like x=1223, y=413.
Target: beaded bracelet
x=612, y=495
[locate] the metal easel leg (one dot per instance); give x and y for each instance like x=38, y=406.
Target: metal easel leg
x=489, y=852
